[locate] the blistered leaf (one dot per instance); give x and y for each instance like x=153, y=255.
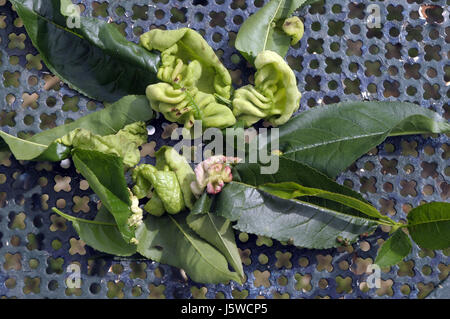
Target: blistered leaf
x=123, y=144
x=178, y=164
x=164, y=183
x=293, y=27
x=168, y=189
x=192, y=76
x=155, y=206
x=184, y=106
x=212, y=174
x=275, y=96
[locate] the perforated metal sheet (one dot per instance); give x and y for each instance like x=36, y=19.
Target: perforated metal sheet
x=339, y=59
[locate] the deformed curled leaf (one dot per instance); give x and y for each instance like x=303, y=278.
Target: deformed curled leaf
x=165, y=186
x=212, y=174
x=304, y=224
x=179, y=50
x=177, y=163
x=185, y=106
x=168, y=183
x=293, y=27
x=123, y=144
x=192, y=76
x=93, y=58
x=275, y=96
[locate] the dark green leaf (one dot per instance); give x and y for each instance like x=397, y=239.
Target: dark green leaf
x=394, y=250
x=290, y=190
x=305, y=224
x=94, y=59
x=262, y=30
x=429, y=225
x=216, y=230
x=107, y=121
x=105, y=175
x=101, y=234
x=330, y=138
x=292, y=171
x=169, y=240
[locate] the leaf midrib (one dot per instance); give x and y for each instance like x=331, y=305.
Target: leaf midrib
x=386, y=132
x=319, y=194
x=429, y=222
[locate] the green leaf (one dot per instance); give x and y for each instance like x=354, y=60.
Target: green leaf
x=330, y=138
x=105, y=175
x=101, y=233
x=169, y=240
x=304, y=224
x=26, y=150
x=94, y=59
x=164, y=184
x=177, y=163
x=107, y=121
x=291, y=190
x=394, y=250
x=125, y=143
x=292, y=171
x=263, y=29
x=216, y=230
x=429, y=225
